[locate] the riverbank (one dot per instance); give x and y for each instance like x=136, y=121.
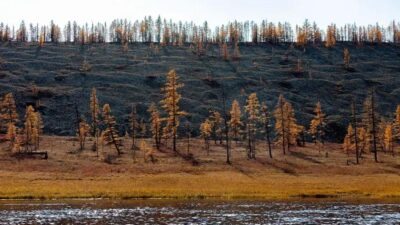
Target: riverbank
x=225, y=185
x=302, y=174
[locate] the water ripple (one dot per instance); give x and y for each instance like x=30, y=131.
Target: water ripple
x=201, y=212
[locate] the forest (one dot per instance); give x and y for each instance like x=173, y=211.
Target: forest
x=168, y=32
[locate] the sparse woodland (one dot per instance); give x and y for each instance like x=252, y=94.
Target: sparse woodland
x=368, y=133
x=168, y=32
x=247, y=122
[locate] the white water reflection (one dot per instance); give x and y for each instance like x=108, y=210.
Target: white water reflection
x=196, y=212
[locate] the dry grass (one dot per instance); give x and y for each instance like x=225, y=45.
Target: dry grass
x=302, y=173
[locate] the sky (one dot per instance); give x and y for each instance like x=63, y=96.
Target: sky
x=216, y=12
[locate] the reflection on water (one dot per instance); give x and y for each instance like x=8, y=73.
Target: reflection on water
x=196, y=212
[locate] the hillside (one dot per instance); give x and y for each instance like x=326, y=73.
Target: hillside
x=51, y=75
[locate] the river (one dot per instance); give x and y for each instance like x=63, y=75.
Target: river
x=195, y=212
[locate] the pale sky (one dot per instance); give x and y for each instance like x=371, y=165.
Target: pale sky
x=216, y=12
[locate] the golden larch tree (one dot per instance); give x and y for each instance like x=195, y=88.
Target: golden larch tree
x=224, y=51
x=39, y=129
x=292, y=128
x=31, y=131
x=133, y=126
x=110, y=133
x=8, y=111
x=205, y=131
x=286, y=127
x=348, y=140
x=155, y=127
x=94, y=112
x=370, y=122
x=388, y=138
x=216, y=121
x=12, y=137
x=170, y=104
x=235, y=122
x=83, y=132
x=280, y=121
x=236, y=52
x=252, y=109
x=317, y=125
x=346, y=58
x=301, y=39
x=148, y=153
x=397, y=123
x=330, y=36
x=361, y=140
x=143, y=128
x=265, y=119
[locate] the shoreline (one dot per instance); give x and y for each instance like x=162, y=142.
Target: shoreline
x=309, y=199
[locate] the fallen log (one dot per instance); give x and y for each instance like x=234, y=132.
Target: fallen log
x=43, y=155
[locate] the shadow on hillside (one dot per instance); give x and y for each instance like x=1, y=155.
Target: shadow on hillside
x=241, y=170
x=187, y=157
x=303, y=156
x=283, y=166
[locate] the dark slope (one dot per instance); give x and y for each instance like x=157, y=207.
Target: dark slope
x=137, y=76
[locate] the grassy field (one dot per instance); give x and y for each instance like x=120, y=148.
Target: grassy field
x=303, y=173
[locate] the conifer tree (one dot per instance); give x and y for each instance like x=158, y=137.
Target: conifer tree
x=9, y=113
x=205, y=130
x=83, y=132
x=216, y=126
x=39, y=129
x=360, y=142
x=317, y=125
x=388, y=138
x=226, y=126
x=286, y=127
x=12, y=136
x=31, y=131
x=292, y=128
x=265, y=119
x=147, y=150
x=170, y=103
x=280, y=127
x=252, y=109
x=42, y=40
x=301, y=39
x=235, y=122
x=348, y=140
x=110, y=134
x=362, y=131
x=370, y=122
x=133, y=126
x=94, y=112
x=330, y=36
x=155, y=124
x=143, y=128
x=346, y=58
x=224, y=51
x=396, y=125
x=236, y=52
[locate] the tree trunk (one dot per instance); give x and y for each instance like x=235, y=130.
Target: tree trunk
x=355, y=130
x=283, y=130
x=374, y=126
x=268, y=139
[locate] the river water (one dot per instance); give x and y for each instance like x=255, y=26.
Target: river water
x=196, y=212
